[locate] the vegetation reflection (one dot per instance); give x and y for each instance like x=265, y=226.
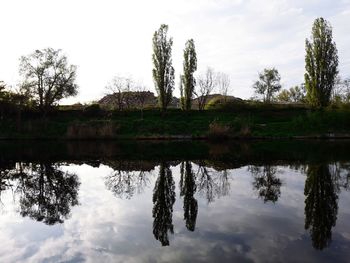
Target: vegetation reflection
x=45, y=192
x=187, y=191
x=321, y=204
x=163, y=201
x=266, y=182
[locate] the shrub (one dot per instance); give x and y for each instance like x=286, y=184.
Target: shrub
x=218, y=131
x=92, y=130
x=219, y=103
x=93, y=110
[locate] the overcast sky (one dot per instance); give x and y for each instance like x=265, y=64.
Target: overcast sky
x=107, y=38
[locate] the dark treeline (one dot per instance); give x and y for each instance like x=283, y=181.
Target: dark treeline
x=216, y=154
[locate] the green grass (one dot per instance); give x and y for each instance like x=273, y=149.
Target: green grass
x=259, y=120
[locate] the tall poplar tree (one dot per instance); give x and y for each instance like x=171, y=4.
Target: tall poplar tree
x=321, y=64
x=189, y=67
x=163, y=71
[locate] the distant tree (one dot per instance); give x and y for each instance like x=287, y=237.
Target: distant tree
x=294, y=94
x=189, y=67
x=2, y=89
x=223, y=81
x=182, y=97
x=297, y=93
x=119, y=89
x=268, y=84
x=163, y=71
x=128, y=88
x=321, y=64
x=207, y=81
x=140, y=91
x=346, y=90
x=48, y=77
x=284, y=96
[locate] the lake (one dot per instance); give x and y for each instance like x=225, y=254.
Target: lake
x=179, y=201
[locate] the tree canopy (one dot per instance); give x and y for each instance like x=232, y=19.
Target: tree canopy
x=48, y=77
x=189, y=67
x=163, y=71
x=268, y=84
x=321, y=64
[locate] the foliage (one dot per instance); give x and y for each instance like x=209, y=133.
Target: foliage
x=218, y=131
x=268, y=84
x=225, y=103
x=321, y=64
x=294, y=94
x=163, y=71
x=48, y=77
x=189, y=67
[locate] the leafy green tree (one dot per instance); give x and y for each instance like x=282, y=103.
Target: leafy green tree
x=48, y=77
x=294, y=94
x=297, y=93
x=321, y=64
x=163, y=71
x=284, y=96
x=182, y=97
x=346, y=87
x=268, y=84
x=189, y=67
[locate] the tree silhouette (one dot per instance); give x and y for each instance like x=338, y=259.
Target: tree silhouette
x=187, y=190
x=266, y=182
x=48, y=77
x=163, y=201
x=46, y=192
x=124, y=184
x=321, y=204
x=212, y=184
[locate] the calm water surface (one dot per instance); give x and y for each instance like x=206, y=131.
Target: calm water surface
x=175, y=202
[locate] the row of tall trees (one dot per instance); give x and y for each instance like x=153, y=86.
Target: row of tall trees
x=47, y=77
x=164, y=74
x=321, y=71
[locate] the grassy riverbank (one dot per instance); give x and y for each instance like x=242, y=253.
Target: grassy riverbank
x=267, y=121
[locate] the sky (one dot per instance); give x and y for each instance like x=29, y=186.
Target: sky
x=107, y=38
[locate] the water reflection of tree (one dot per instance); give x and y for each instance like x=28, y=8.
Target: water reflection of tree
x=124, y=184
x=321, y=204
x=187, y=191
x=163, y=201
x=5, y=178
x=46, y=192
x=212, y=184
x=266, y=182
